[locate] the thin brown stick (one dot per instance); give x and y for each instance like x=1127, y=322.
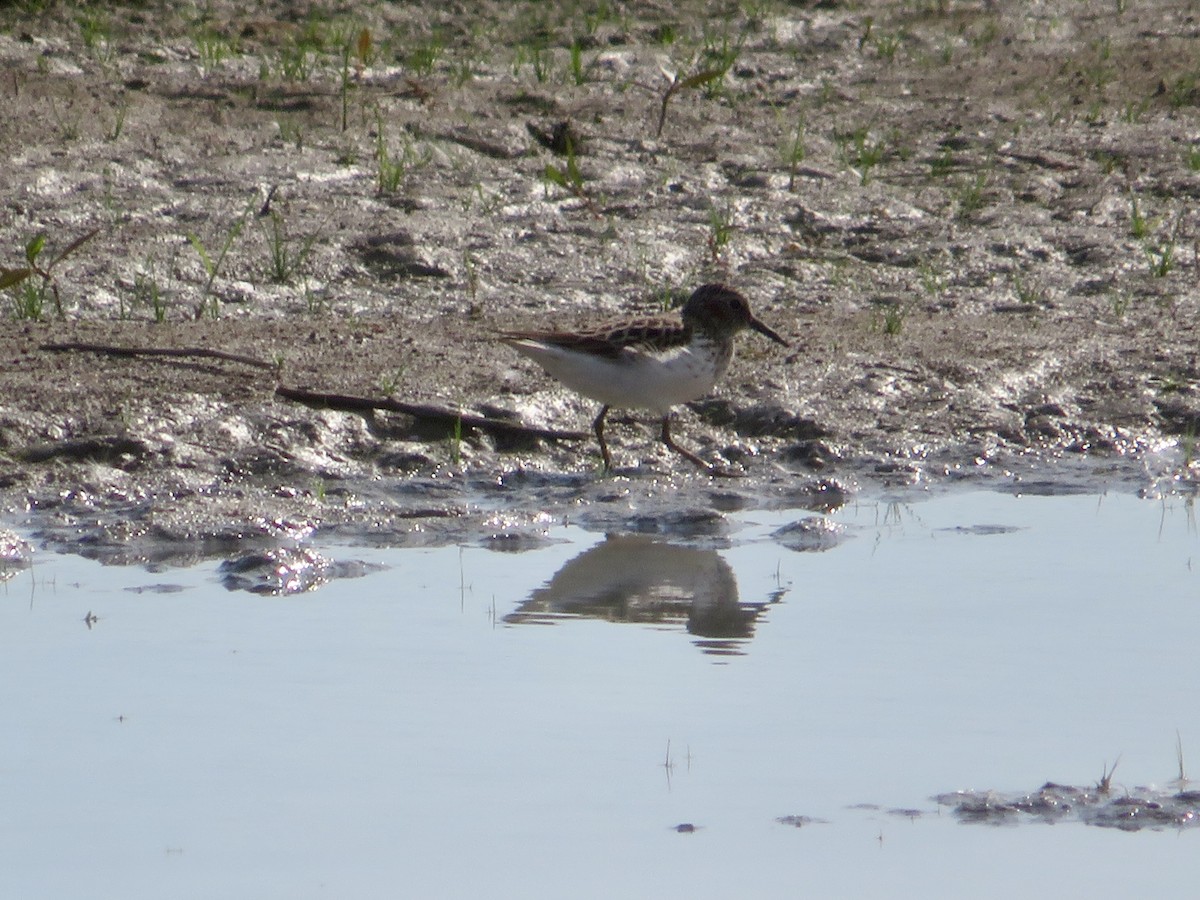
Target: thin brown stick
x=174, y=352
x=347, y=402
x=426, y=411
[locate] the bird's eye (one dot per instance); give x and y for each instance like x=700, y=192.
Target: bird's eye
x=735, y=303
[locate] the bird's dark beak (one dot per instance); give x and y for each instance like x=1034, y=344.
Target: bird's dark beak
x=764, y=329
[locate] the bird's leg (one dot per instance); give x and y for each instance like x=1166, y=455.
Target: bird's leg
x=598, y=427
x=682, y=451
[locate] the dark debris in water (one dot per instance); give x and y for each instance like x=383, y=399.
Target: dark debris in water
x=517, y=541
x=278, y=571
x=155, y=588
x=1135, y=810
x=287, y=570
x=983, y=530
x=810, y=534
x=15, y=555
x=800, y=821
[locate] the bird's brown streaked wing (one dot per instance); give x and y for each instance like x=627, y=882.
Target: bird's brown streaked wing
x=656, y=333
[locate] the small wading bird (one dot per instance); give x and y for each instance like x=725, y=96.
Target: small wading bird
x=649, y=363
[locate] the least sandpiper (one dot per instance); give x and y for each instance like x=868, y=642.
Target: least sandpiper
x=650, y=363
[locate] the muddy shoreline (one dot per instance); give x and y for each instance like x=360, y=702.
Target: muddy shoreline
x=977, y=228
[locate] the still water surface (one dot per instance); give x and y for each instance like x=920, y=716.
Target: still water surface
x=469, y=723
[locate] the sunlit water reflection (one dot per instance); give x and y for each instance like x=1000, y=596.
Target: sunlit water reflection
x=460, y=722
x=648, y=580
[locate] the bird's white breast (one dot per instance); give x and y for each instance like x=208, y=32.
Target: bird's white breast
x=634, y=379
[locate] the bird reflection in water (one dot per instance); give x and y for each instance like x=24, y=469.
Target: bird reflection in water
x=639, y=578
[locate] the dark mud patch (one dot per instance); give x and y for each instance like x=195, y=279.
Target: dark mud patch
x=16, y=555
x=287, y=570
x=812, y=534
x=800, y=821
x=1138, y=809
x=981, y=530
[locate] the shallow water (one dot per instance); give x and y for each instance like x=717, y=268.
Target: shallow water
x=465, y=722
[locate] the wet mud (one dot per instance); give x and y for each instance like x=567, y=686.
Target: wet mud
x=1102, y=805
x=1138, y=809
x=974, y=222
